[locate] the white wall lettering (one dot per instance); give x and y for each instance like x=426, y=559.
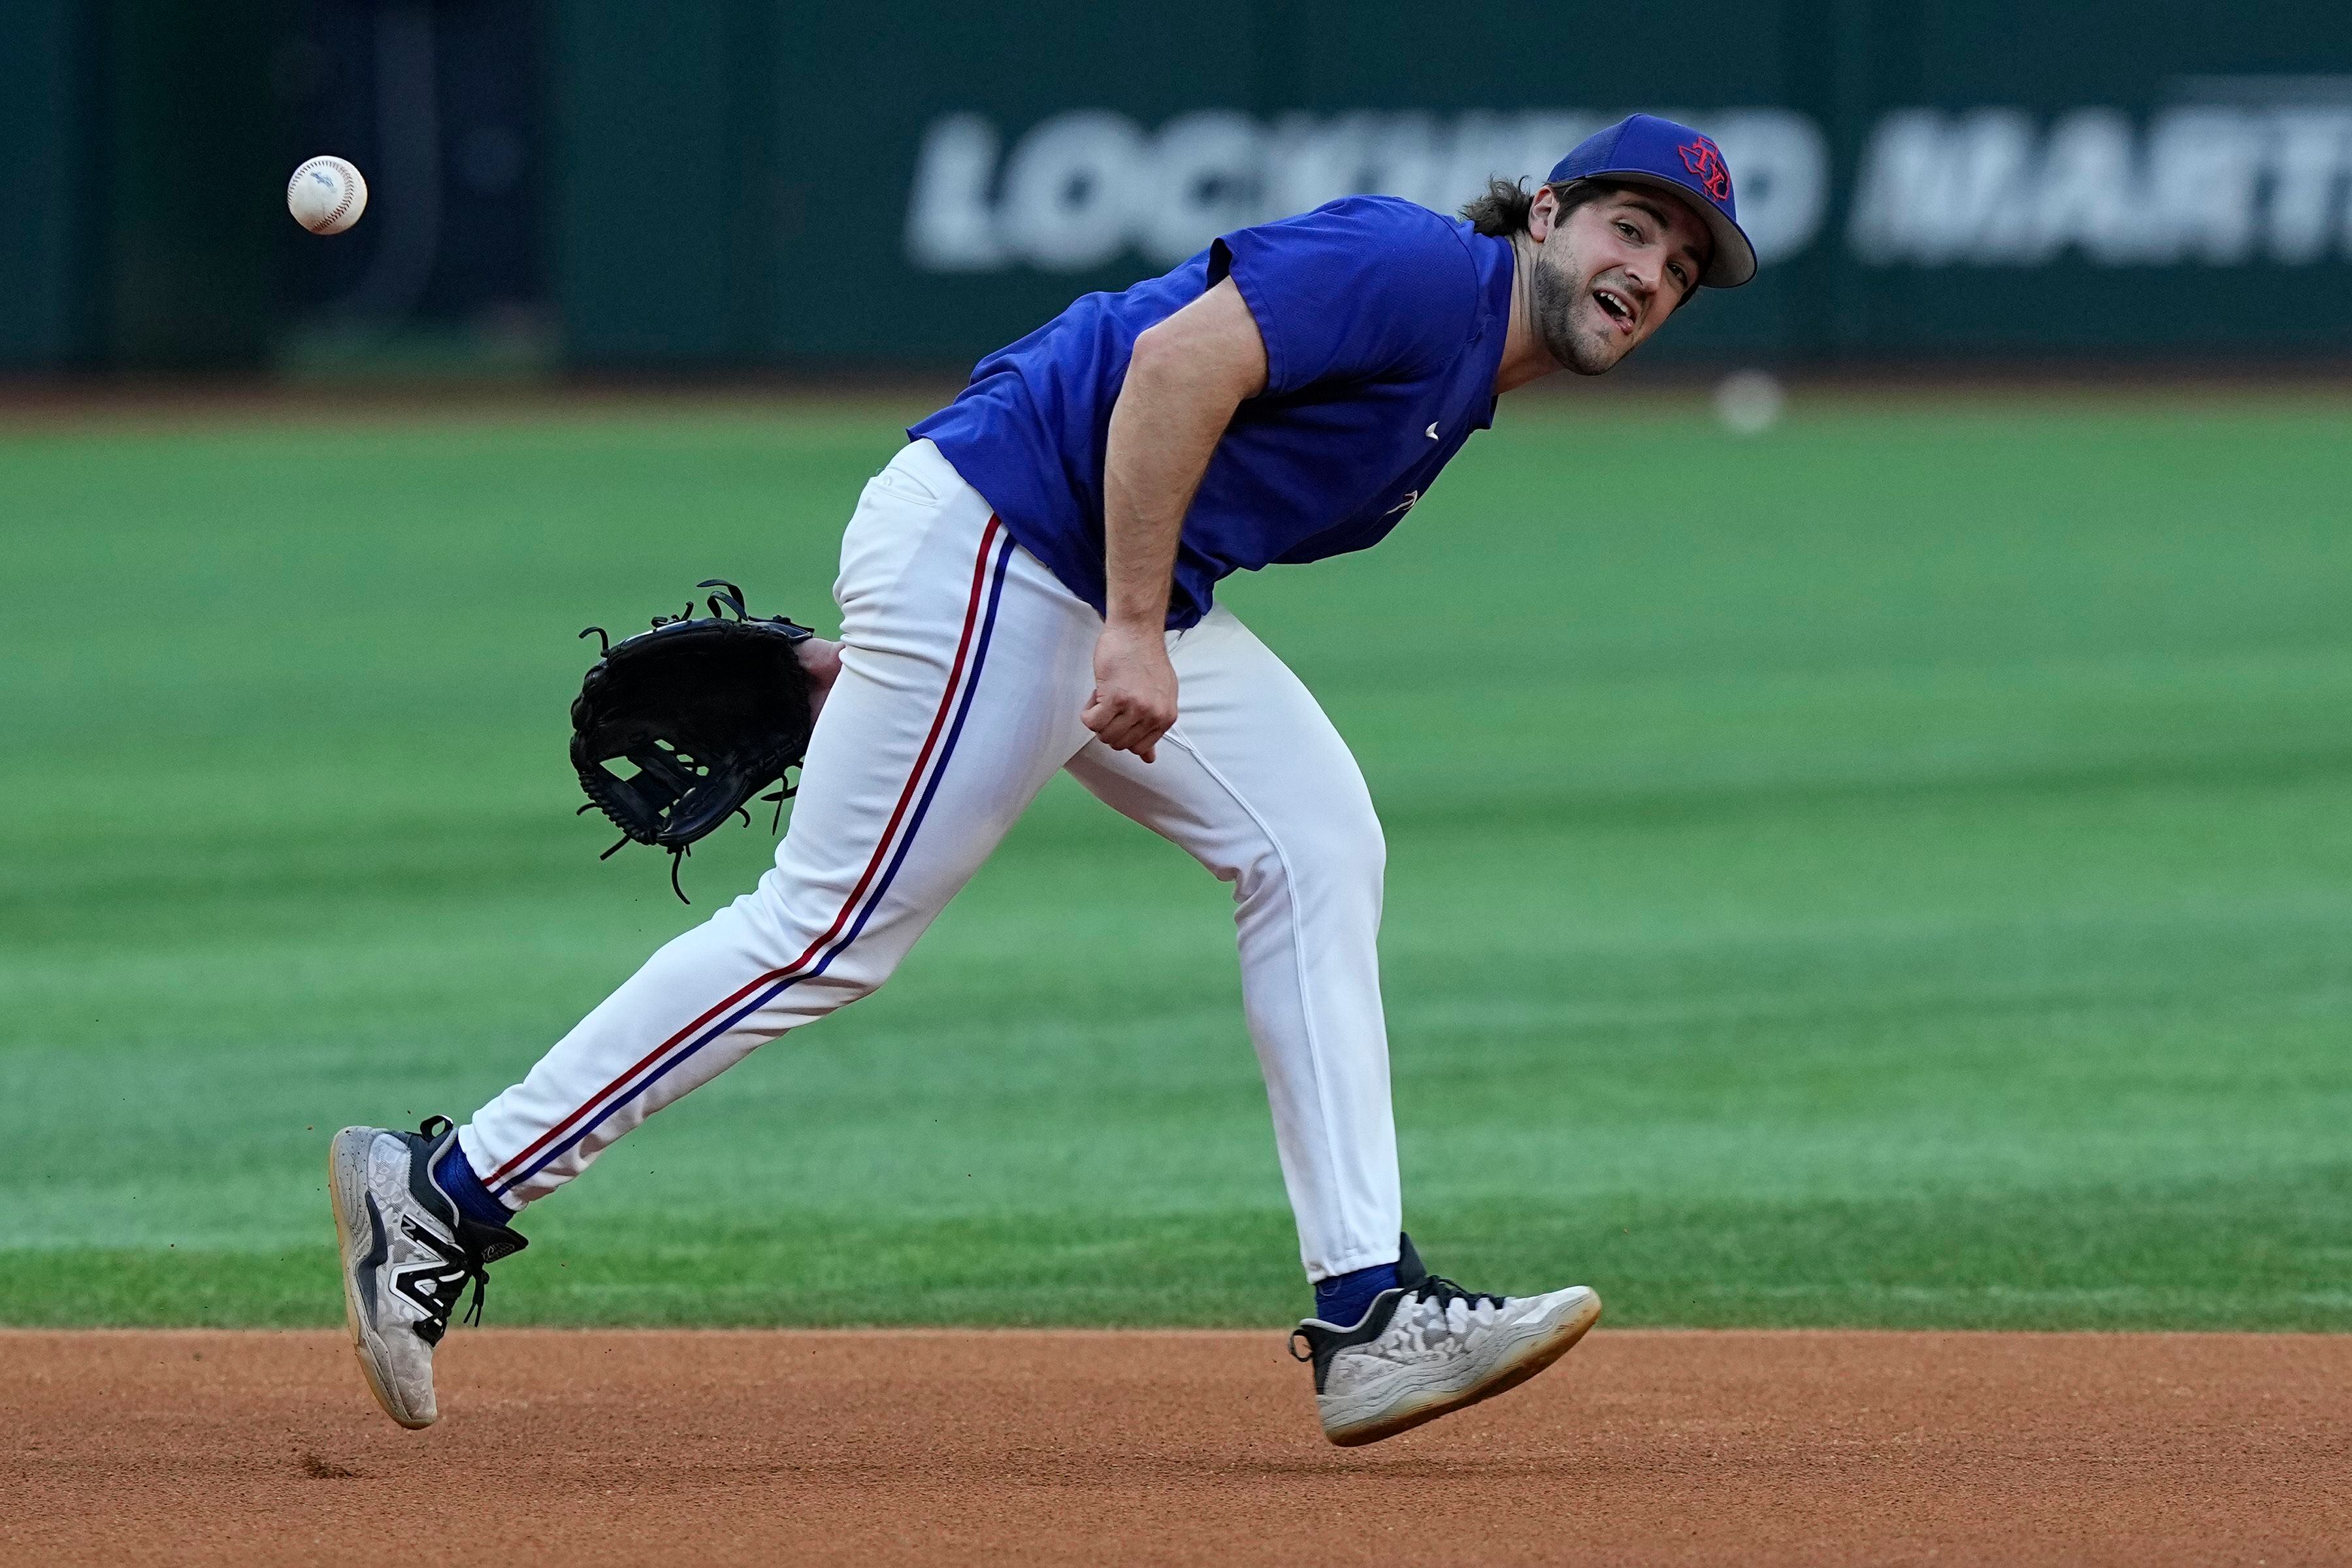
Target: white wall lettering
x=2203, y=185
x=1083, y=187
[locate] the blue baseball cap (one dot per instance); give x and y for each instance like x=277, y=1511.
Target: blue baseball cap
x=1644, y=150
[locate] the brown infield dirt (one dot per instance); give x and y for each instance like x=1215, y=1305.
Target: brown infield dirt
x=1037, y=1448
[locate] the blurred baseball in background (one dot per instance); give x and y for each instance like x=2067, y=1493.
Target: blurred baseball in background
x=1749, y=402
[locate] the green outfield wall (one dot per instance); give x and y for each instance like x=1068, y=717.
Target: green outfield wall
x=44, y=80
x=745, y=182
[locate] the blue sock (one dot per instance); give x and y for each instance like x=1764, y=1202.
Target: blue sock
x=1345, y=1298
x=456, y=1173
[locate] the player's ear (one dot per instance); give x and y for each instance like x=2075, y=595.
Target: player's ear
x=1543, y=213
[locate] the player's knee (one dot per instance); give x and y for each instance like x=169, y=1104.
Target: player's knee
x=1347, y=835
x=1341, y=854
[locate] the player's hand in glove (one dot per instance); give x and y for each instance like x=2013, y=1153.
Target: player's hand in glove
x=676, y=728
x=821, y=662
x=1134, y=701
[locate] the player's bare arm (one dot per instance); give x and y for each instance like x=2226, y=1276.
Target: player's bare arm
x=1188, y=374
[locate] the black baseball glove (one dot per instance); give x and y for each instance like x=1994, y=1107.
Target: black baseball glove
x=704, y=711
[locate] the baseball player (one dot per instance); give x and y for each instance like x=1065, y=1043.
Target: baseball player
x=1028, y=587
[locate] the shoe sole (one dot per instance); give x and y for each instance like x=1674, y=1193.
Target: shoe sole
x=347, y=1163
x=1523, y=1364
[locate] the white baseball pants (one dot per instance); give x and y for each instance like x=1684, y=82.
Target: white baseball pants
x=964, y=666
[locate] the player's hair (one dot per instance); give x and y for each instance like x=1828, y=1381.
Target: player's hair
x=1503, y=211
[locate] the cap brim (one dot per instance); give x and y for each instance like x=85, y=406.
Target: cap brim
x=1733, y=262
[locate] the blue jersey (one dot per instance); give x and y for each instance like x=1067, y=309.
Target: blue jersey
x=1383, y=325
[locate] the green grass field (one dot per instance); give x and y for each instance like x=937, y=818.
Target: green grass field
x=1894, y=871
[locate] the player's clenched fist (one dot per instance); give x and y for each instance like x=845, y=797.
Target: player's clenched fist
x=1134, y=701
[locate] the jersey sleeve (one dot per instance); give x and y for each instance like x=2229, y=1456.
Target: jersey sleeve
x=1361, y=290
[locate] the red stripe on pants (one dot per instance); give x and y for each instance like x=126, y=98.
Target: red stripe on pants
x=922, y=763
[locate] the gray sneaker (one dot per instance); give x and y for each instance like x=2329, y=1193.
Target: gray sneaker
x=1430, y=1347
x=408, y=1253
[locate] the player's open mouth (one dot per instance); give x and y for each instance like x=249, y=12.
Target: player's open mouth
x=1616, y=307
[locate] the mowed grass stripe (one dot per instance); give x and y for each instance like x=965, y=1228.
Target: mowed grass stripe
x=1893, y=871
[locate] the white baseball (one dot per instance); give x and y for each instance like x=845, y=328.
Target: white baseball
x=326, y=195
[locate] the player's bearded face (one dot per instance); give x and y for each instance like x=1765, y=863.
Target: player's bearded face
x=1604, y=279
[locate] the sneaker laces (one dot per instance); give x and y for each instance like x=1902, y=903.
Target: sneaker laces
x=1442, y=1313
x=1456, y=1309
x=439, y=1288
x=1445, y=1292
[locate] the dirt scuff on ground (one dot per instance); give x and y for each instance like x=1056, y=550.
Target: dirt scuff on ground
x=902, y=1448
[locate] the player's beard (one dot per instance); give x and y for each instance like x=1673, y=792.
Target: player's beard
x=1556, y=288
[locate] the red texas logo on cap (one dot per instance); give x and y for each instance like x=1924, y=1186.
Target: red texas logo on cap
x=1703, y=158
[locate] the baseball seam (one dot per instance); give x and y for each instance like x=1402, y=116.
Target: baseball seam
x=351, y=189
